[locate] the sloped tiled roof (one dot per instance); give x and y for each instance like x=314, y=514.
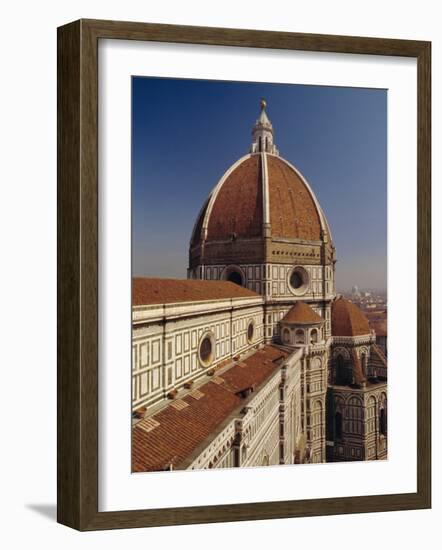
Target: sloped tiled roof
x=146, y=291
x=347, y=319
x=179, y=432
x=302, y=314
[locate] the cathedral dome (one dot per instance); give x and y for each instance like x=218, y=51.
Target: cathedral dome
x=347, y=319
x=260, y=188
x=261, y=196
x=262, y=211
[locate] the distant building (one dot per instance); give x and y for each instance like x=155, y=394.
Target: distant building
x=253, y=360
x=355, y=294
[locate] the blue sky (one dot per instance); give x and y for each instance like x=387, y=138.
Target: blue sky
x=186, y=134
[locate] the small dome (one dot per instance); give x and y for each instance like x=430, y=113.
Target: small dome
x=348, y=320
x=302, y=314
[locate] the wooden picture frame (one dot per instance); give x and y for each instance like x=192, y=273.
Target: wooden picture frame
x=78, y=274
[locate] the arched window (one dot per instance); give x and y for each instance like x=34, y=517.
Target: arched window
x=341, y=376
x=354, y=415
x=317, y=419
x=371, y=414
x=338, y=425
x=382, y=422
x=260, y=143
x=329, y=417
x=286, y=336
x=299, y=336
x=364, y=364
x=235, y=277
x=314, y=336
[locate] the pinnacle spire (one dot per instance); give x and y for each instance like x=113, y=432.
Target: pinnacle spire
x=263, y=118
x=262, y=133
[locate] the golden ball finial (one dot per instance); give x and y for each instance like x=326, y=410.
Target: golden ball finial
x=263, y=104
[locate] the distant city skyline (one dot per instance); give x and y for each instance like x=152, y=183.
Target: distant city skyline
x=187, y=133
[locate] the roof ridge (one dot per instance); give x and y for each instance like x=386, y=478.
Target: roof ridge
x=157, y=290
x=357, y=368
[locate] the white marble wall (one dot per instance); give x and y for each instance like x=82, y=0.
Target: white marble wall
x=267, y=430
x=273, y=280
x=166, y=339
x=361, y=437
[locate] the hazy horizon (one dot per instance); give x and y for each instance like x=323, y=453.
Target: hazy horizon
x=187, y=133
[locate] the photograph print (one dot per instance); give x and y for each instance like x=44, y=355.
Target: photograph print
x=259, y=274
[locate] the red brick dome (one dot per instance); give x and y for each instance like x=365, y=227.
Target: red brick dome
x=302, y=314
x=347, y=319
x=261, y=189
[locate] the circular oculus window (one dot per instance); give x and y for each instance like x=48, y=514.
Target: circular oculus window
x=299, y=280
x=233, y=274
x=206, y=350
x=250, y=332
x=235, y=277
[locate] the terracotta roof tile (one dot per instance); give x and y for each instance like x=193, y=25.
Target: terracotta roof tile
x=302, y=314
x=251, y=372
x=293, y=213
x=179, y=432
x=196, y=394
x=146, y=291
x=347, y=319
x=238, y=205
